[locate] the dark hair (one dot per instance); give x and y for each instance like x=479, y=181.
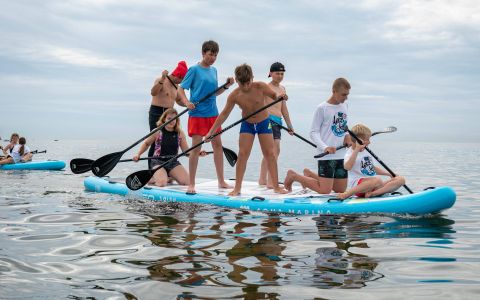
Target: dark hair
x=243, y=73
x=22, y=141
x=210, y=46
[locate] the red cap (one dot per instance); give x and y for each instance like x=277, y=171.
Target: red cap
x=180, y=70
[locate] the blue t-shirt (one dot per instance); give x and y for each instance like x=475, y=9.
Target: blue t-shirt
x=201, y=82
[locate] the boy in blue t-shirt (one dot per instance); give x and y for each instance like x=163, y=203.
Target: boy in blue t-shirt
x=201, y=80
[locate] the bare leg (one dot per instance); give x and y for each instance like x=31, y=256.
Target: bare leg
x=322, y=186
x=389, y=186
x=276, y=142
x=218, y=159
x=340, y=185
x=262, y=180
x=180, y=175
x=244, y=148
x=6, y=161
x=266, y=143
x=367, y=185
x=193, y=163
x=160, y=177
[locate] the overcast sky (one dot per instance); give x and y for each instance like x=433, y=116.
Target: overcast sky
x=84, y=69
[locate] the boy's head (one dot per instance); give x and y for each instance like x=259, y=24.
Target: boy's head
x=211, y=46
x=277, y=71
x=243, y=74
x=340, y=90
x=362, y=132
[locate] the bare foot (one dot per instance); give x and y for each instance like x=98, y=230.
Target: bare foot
x=234, y=192
x=262, y=182
x=191, y=189
x=343, y=196
x=280, y=190
x=289, y=180
x=224, y=185
x=269, y=186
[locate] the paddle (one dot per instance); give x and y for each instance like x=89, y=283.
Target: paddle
x=106, y=163
x=137, y=180
x=37, y=152
x=386, y=130
x=82, y=165
x=297, y=135
x=378, y=159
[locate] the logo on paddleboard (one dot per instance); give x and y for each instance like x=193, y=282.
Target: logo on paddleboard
x=339, y=124
x=366, y=167
x=135, y=183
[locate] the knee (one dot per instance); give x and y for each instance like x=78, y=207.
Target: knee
x=269, y=153
x=400, y=180
x=161, y=182
x=306, y=171
x=377, y=182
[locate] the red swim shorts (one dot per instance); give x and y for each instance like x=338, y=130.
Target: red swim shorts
x=200, y=125
x=360, y=195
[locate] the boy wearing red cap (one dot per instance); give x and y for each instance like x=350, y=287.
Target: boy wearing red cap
x=277, y=71
x=164, y=95
x=201, y=80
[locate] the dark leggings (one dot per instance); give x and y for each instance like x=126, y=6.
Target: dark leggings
x=154, y=114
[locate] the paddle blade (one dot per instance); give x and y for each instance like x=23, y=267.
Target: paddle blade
x=139, y=179
x=106, y=163
x=231, y=156
x=386, y=130
x=80, y=165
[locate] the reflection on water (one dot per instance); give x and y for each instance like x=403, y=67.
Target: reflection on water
x=58, y=242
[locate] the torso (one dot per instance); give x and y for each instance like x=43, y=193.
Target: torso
x=252, y=101
x=276, y=109
x=363, y=166
x=167, y=143
x=166, y=96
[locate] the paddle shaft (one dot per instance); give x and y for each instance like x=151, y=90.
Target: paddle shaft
x=159, y=157
x=378, y=159
x=218, y=133
x=171, y=120
x=345, y=146
x=297, y=135
x=37, y=152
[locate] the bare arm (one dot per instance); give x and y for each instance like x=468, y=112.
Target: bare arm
x=145, y=145
x=158, y=84
x=223, y=115
x=183, y=143
x=230, y=81
x=348, y=163
x=286, y=115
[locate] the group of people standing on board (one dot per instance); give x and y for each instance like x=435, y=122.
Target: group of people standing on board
x=15, y=151
x=328, y=131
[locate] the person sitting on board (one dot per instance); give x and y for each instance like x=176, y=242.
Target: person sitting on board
x=20, y=153
x=166, y=143
x=164, y=95
x=250, y=97
x=13, y=142
x=277, y=71
x=327, y=132
x=363, y=179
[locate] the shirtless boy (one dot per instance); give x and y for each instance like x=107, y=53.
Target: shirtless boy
x=250, y=97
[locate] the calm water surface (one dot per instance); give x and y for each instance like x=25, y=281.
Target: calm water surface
x=57, y=241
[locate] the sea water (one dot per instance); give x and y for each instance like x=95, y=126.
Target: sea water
x=58, y=241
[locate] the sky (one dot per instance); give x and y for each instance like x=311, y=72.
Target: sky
x=84, y=69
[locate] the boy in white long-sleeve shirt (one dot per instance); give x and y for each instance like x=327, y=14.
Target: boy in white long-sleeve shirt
x=328, y=132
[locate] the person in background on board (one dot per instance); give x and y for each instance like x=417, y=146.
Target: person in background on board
x=166, y=143
x=13, y=142
x=19, y=153
x=328, y=131
x=250, y=96
x=164, y=95
x=201, y=80
x=363, y=179
x=277, y=71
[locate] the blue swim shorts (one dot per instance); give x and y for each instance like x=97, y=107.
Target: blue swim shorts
x=256, y=128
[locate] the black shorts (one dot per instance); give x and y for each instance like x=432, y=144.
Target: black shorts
x=154, y=114
x=332, y=169
x=168, y=167
x=277, y=131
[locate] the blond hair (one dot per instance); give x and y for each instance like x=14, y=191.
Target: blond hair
x=163, y=117
x=361, y=131
x=243, y=73
x=340, y=82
